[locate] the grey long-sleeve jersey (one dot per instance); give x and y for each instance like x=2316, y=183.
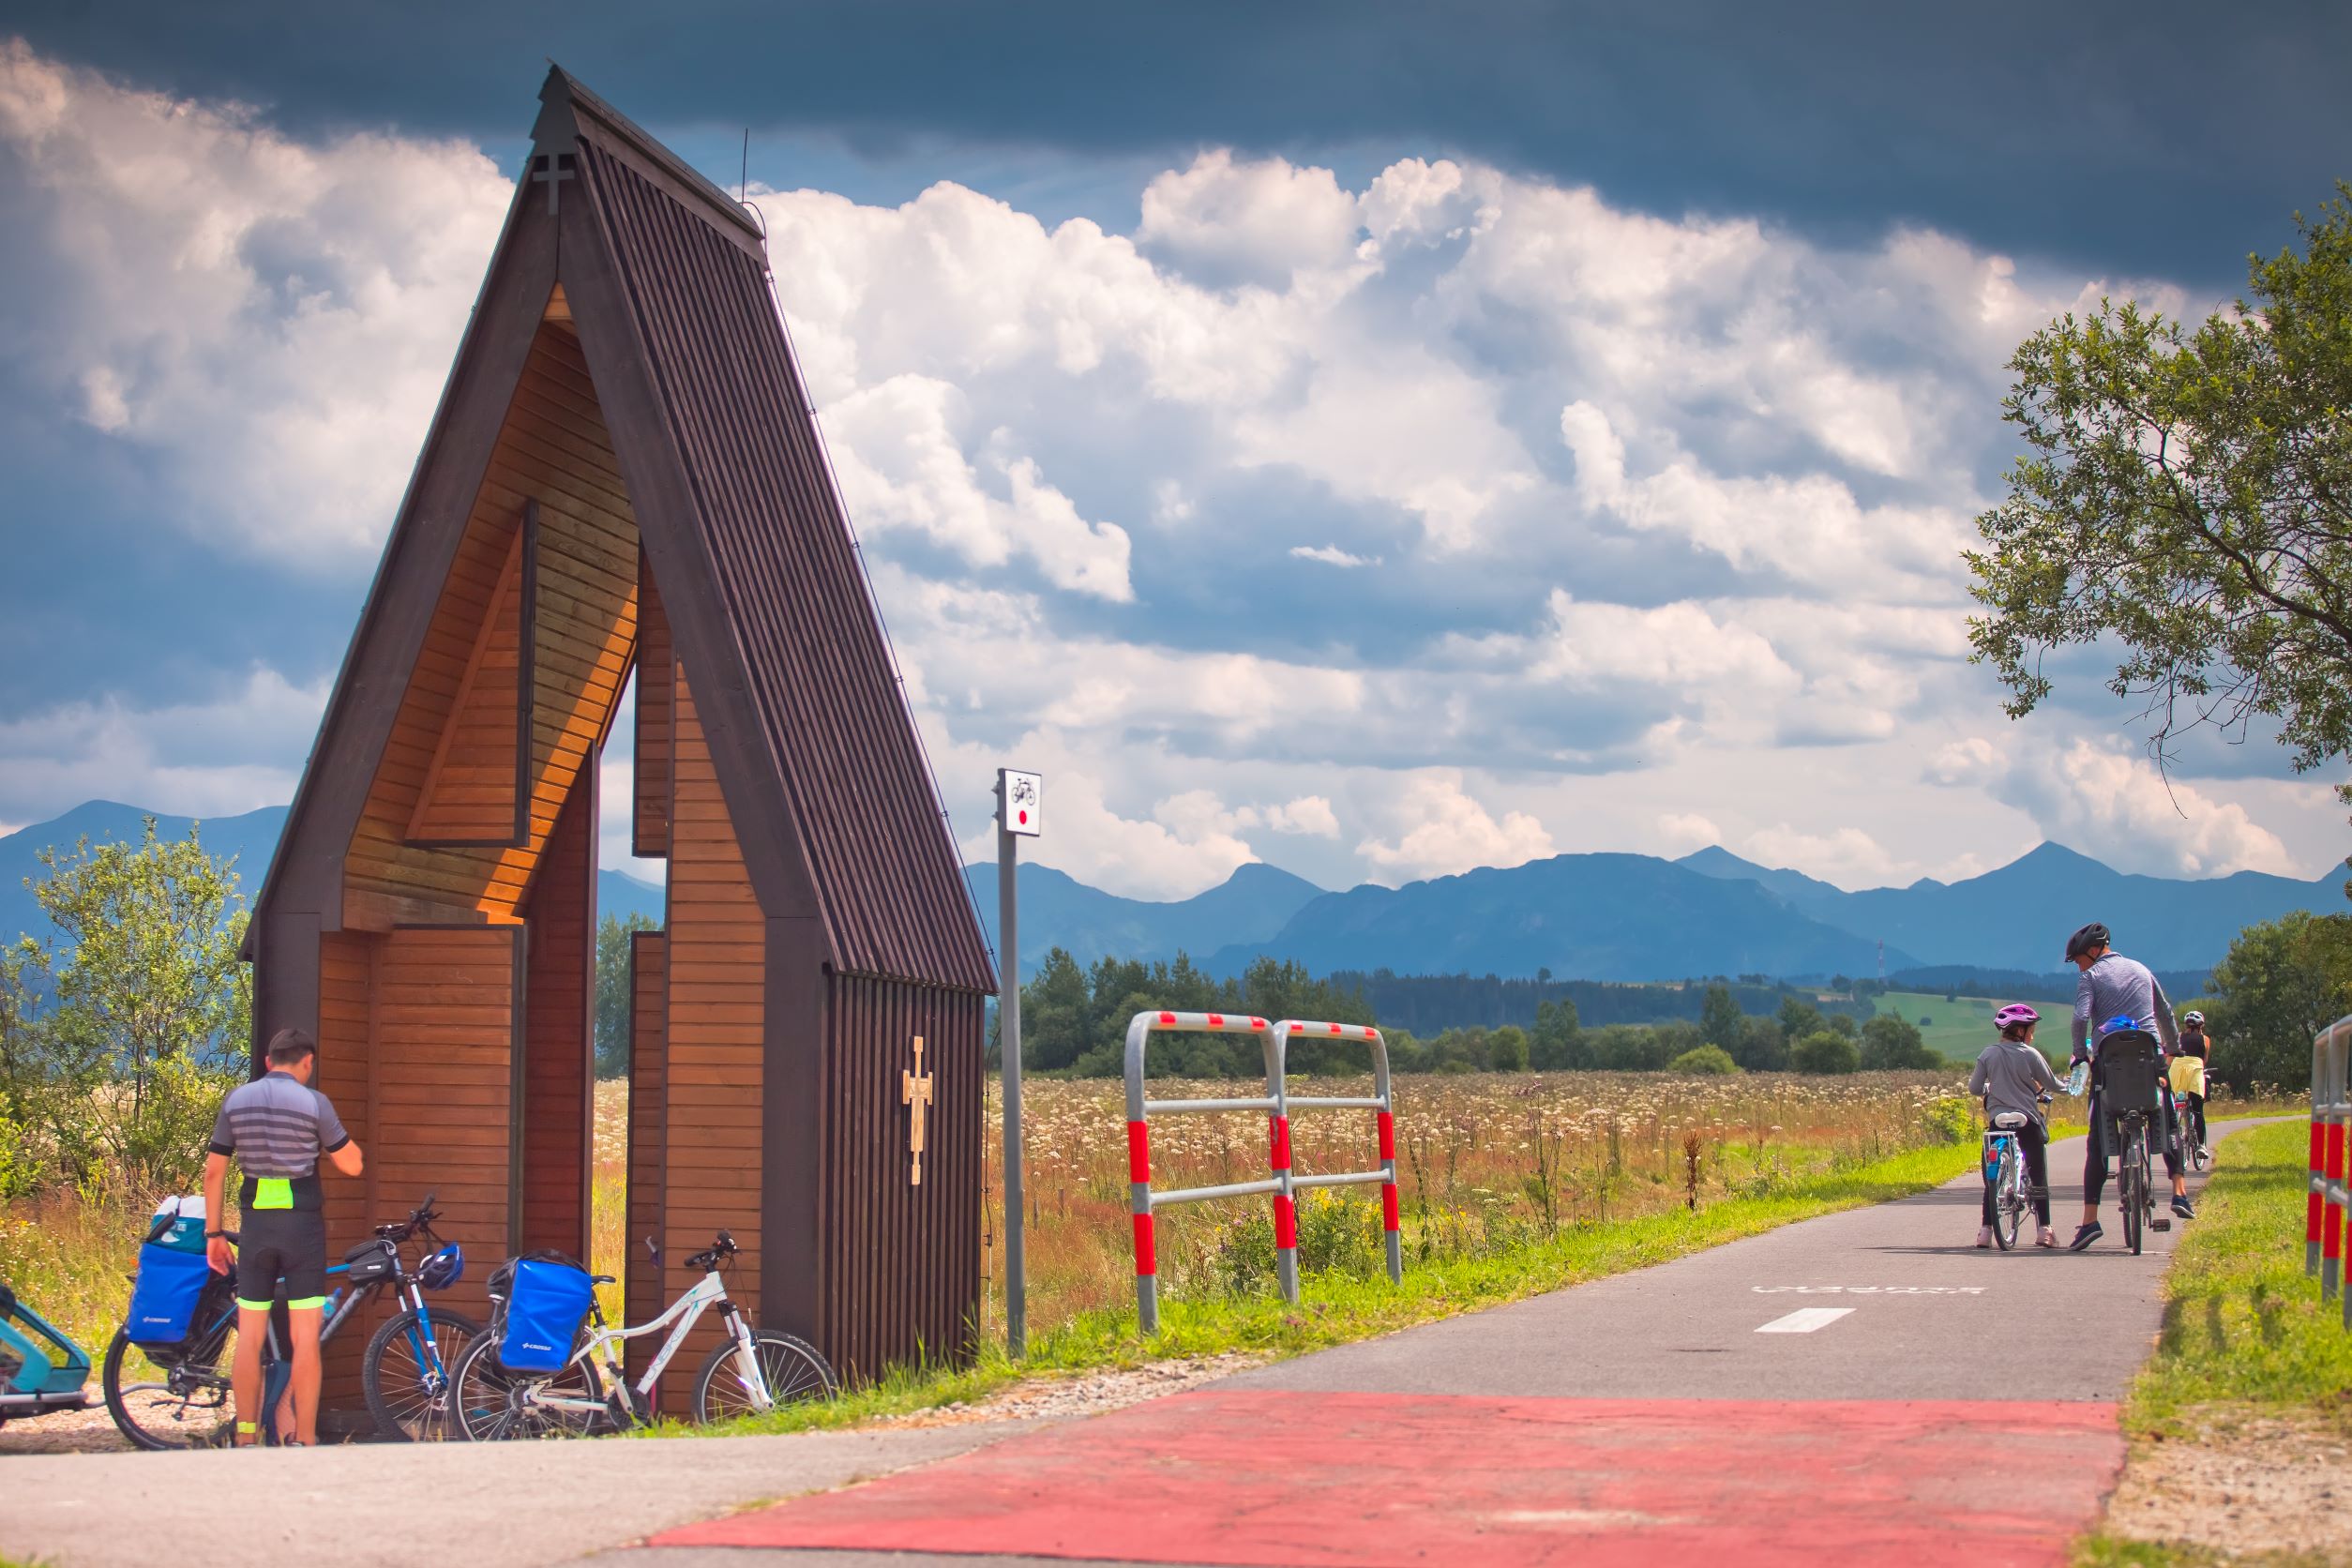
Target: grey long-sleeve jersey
x=2117, y=985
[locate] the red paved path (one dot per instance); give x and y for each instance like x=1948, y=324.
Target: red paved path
x=1243, y=1476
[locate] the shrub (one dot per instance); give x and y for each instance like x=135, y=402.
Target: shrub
x=1824, y=1052
x=1890, y=1043
x=1707, y=1061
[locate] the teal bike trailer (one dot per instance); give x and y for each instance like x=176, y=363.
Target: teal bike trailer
x=49, y=1370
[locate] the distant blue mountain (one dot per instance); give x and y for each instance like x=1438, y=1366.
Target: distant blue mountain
x=1059, y=911
x=1587, y=916
x=251, y=838
x=2019, y=916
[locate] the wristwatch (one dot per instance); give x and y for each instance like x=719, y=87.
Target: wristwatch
x=210, y=1234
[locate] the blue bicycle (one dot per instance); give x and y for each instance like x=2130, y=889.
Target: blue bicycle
x=177, y=1395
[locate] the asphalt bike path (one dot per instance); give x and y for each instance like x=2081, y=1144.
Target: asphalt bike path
x=1863, y=1388
x=1912, y=1396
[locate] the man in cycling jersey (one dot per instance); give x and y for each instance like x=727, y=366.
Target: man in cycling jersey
x=2113, y=986
x=278, y=1126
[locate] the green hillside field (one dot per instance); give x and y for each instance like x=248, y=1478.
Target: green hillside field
x=1960, y=1028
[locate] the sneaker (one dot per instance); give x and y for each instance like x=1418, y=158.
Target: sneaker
x=2085, y=1235
x=2181, y=1207
x=2048, y=1238
x=1984, y=1235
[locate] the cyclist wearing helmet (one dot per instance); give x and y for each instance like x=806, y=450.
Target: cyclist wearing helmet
x=2011, y=1074
x=2127, y=995
x=2198, y=1047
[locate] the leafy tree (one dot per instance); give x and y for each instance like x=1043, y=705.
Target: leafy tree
x=1824, y=1052
x=2187, y=499
x=1890, y=1043
x=1799, y=1018
x=1719, y=1019
x=1506, y=1049
x=1704, y=1062
x=150, y=1014
x=1558, y=1038
x=1626, y=1048
x=1842, y=1023
x=1762, y=1048
x=616, y=1024
x=2283, y=981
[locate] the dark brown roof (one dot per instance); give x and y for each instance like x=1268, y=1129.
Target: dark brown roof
x=837, y=729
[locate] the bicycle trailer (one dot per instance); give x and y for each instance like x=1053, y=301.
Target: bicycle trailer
x=40, y=1369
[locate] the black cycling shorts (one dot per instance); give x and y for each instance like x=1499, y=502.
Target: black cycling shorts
x=281, y=1245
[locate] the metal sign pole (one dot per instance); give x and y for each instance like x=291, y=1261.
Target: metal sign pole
x=1016, y=813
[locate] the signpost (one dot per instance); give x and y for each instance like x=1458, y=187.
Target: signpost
x=1019, y=799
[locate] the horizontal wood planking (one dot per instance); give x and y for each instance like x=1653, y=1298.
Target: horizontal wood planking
x=444, y=1042
x=717, y=964
x=655, y=667
x=345, y=1076
x=902, y=1261
x=648, y=1062
x=553, y=449
x=558, y=1109
x=472, y=785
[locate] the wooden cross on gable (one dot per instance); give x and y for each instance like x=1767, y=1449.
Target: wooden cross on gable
x=915, y=1091
x=553, y=175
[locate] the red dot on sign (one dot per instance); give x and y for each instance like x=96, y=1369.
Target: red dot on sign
x=1025, y=818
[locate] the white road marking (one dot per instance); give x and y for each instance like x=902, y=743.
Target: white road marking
x=1869, y=1290
x=1805, y=1319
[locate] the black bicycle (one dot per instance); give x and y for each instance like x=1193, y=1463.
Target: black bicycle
x=165, y=1396
x=2127, y=1063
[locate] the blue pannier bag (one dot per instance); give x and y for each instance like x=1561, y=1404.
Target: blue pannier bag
x=548, y=1303
x=163, y=1300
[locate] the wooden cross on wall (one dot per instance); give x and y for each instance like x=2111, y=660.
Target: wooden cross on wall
x=915, y=1091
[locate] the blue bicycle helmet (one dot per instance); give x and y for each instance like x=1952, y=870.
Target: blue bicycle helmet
x=443, y=1269
x=2119, y=1022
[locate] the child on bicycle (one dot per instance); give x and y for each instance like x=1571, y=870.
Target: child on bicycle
x=2011, y=1074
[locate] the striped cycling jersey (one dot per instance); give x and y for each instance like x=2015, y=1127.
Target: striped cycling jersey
x=278, y=1129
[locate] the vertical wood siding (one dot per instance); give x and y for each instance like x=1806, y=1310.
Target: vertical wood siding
x=649, y=1061
x=651, y=827
x=902, y=1261
x=553, y=449
x=717, y=988
x=559, y=1032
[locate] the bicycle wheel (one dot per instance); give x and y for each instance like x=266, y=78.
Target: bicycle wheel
x=406, y=1375
x=790, y=1365
x=2130, y=1177
x=493, y=1405
x=2009, y=1202
x=172, y=1402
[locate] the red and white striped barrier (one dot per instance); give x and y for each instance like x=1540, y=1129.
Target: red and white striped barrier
x=2330, y=1120
x=1282, y=1183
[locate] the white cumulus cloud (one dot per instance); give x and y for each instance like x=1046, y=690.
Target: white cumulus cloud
x=1441, y=830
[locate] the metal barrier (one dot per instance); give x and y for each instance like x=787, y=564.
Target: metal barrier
x=1378, y=1102
x=2331, y=1118
x=1281, y=1184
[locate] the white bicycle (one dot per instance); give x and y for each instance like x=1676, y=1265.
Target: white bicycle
x=749, y=1371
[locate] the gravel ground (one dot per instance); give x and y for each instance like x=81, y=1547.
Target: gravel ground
x=2241, y=1486
x=1080, y=1394
x=86, y=1431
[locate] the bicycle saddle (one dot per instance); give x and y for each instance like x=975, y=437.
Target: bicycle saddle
x=602, y=1279
x=2011, y=1119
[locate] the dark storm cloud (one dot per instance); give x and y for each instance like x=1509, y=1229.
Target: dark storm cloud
x=2146, y=138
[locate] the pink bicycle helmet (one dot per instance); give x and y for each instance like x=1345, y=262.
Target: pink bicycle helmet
x=2015, y=1012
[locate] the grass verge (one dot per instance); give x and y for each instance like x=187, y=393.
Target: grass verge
x=1338, y=1310
x=2251, y=1371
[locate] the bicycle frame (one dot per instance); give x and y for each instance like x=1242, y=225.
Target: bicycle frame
x=681, y=1317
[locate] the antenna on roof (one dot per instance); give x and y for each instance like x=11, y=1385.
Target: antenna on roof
x=743, y=185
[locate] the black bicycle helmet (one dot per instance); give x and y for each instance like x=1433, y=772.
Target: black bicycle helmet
x=2082, y=942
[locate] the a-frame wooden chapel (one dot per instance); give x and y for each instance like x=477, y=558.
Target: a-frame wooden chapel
x=624, y=474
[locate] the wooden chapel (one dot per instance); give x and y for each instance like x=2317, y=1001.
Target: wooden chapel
x=625, y=476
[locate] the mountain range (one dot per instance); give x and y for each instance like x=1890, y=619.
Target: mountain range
x=1624, y=917
x=251, y=838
